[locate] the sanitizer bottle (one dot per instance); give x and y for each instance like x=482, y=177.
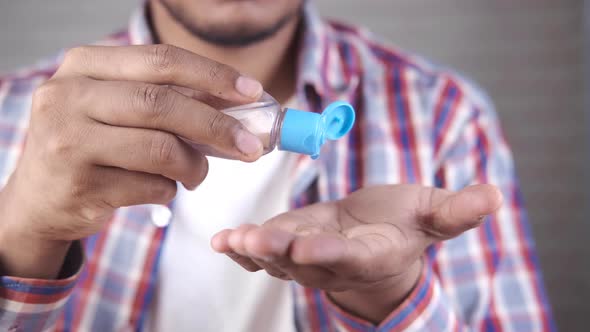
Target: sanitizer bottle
x=285, y=128
x=293, y=130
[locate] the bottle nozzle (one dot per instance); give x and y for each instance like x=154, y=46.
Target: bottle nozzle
x=306, y=132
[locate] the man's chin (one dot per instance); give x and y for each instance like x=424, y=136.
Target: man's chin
x=235, y=23
x=232, y=33
x=236, y=36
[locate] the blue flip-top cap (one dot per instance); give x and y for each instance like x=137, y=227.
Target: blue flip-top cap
x=306, y=132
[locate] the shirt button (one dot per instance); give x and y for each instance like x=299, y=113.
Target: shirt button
x=160, y=215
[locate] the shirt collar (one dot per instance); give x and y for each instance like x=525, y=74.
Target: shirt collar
x=320, y=63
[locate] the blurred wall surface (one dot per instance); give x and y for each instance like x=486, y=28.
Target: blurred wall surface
x=527, y=54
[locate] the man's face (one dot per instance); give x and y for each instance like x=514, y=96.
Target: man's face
x=233, y=22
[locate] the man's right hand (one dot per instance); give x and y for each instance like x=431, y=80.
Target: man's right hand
x=105, y=132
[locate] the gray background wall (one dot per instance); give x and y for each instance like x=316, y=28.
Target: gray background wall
x=527, y=54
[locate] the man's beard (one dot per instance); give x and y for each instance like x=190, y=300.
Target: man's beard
x=236, y=37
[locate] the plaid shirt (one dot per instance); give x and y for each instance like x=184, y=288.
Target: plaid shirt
x=417, y=123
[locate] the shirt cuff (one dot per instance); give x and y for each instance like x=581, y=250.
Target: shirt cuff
x=425, y=302
x=16, y=292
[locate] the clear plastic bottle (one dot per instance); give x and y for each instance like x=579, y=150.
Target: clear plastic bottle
x=286, y=128
x=293, y=130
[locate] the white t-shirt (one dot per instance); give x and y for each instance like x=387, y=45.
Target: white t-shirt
x=200, y=290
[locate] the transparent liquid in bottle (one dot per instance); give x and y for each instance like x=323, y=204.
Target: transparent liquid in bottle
x=261, y=118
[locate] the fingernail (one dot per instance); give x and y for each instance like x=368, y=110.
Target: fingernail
x=248, y=87
x=248, y=143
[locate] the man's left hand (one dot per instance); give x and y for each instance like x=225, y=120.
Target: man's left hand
x=364, y=250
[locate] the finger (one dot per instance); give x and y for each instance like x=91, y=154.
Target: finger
x=271, y=244
x=237, y=236
x=272, y=269
x=148, y=151
x=206, y=98
x=270, y=248
x=444, y=214
x=267, y=243
x=118, y=187
x=267, y=247
x=320, y=249
x=350, y=259
x=142, y=105
x=220, y=241
x=160, y=64
x=244, y=262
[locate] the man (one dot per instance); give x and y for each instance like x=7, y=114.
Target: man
x=368, y=241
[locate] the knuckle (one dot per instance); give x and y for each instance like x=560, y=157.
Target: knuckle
x=79, y=185
x=58, y=92
x=164, y=149
x=83, y=202
x=218, y=71
x=155, y=100
x=75, y=54
x=46, y=95
x=425, y=201
x=59, y=145
x=93, y=214
x=425, y=215
x=217, y=125
x=163, y=57
x=52, y=123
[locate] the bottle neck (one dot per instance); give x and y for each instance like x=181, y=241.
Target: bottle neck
x=275, y=135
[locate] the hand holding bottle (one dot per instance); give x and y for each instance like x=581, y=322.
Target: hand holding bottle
x=105, y=133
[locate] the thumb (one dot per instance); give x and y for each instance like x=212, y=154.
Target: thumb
x=449, y=214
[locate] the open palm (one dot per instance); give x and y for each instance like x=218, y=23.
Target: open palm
x=374, y=236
